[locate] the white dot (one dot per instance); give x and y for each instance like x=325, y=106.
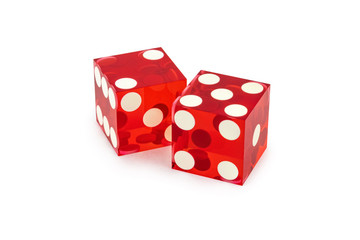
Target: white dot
x=112, y=98
x=113, y=137
x=105, y=87
x=184, y=160
x=125, y=83
x=229, y=130
x=222, y=94
x=252, y=88
x=97, y=76
x=153, y=54
x=209, y=79
x=106, y=126
x=191, y=100
x=256, y=135
x=235, y=110
x=168, y=133
x=153, y=117
x=228, y=170
x=184, y=120
x=99, y=115
x=131, y=101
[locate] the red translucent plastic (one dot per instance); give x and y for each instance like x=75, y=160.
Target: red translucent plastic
x=134, y=93
x=220, y=126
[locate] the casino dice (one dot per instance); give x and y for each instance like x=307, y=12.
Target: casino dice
x=220, y=126
x=134, y=93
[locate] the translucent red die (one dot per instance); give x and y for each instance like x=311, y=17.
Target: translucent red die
x=220, y=126
x=134, y=93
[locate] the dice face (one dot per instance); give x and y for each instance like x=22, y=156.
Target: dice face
x=134, y=93
x=220, y=126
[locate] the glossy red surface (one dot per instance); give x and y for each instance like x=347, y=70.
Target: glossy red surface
x=220, y=126
x=134, y=93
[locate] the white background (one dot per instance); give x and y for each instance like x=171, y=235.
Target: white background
x=61, y=179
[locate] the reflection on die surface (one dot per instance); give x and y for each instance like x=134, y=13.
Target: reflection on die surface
x=220, y=126
x=134, y=93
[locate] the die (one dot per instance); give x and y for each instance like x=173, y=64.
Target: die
x=134, y=93
x=220, y=126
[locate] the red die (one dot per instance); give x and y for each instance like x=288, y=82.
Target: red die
x=220, y=126
x=134, y=94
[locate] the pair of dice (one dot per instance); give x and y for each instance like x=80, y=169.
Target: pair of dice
x=217, y=125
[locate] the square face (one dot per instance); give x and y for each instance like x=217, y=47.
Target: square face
x=215, y=117
x=138, y=69
x=218, y=91
x=134, y=93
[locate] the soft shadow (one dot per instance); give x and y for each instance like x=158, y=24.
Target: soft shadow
x=160, y=157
